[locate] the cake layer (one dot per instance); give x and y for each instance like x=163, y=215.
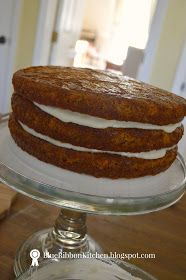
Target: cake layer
x=99, y=93
x=96, y=164
x=109, y=139
x=154, y=154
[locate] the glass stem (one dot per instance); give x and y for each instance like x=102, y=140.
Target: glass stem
x=70, y=231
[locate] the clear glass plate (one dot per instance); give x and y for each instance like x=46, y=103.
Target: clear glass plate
x=83, y=269
x=71, y=190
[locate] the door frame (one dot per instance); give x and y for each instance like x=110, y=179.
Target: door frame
x=45, y=25
x=180, y=74
x=145, y=69
x=16, y=12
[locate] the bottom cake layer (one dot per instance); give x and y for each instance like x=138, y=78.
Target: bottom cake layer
x=95, y=164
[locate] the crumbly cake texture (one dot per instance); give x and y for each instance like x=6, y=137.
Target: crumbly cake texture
x=96, y=164
x=99, y=93
x=109, y=139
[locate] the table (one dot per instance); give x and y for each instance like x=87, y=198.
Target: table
x=162, y=233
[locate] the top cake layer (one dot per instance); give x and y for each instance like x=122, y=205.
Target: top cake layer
x=99, y=93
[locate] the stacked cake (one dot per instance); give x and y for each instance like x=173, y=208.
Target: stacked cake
x=95, y=122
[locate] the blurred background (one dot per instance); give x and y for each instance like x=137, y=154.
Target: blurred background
x=144, y=39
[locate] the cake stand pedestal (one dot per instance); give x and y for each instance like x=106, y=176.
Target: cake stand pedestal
x=69, y=235
x=76, y=195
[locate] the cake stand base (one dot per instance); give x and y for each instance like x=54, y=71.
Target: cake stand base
x=67, y=238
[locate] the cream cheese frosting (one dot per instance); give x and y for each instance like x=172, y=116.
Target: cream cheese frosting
x=154, y=154
x=96, y=122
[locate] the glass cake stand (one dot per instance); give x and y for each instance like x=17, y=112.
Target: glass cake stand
x=78, y=269
x=77, y=195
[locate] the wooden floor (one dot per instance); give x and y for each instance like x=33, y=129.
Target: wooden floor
x=162, y=233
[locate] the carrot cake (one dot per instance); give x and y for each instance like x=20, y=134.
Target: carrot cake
x=95, y=122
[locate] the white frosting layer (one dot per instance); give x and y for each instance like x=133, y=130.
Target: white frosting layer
x=154, y=154
x=96, y=122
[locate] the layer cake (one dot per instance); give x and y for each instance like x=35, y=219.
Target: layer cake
x=95, y=122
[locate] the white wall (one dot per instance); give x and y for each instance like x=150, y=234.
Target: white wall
x=170, y=45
